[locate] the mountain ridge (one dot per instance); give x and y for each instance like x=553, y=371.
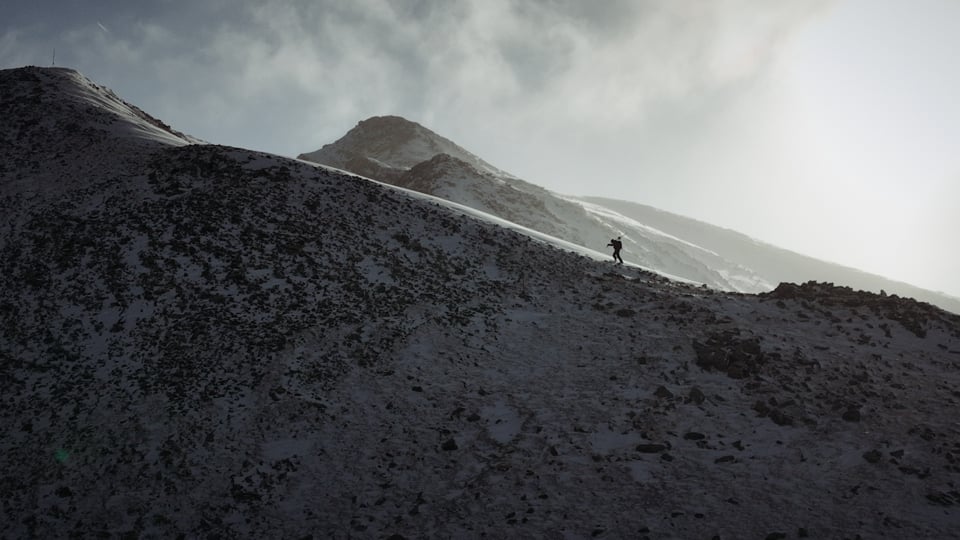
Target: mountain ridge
x=659, y=241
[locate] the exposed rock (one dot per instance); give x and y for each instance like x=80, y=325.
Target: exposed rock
x=696, y=396
x=913, y=315
x=726, y=351
x=945, y=498
x=662, y=393
x=775, y=414
x=449, y=445
x=851, y=415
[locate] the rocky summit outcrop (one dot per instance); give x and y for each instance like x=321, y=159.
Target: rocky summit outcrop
x=913, y=315
x=201, y=341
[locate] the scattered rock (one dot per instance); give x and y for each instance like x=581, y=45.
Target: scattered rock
x=873, y=456
x=778, y=416
x=727, y=352
x=696, y=396
x=944, y=498
x=662, y=393
x=851, y=415
x=449, y=445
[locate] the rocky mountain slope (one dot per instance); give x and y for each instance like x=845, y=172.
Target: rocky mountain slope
x=203, y=341
x=407, y=154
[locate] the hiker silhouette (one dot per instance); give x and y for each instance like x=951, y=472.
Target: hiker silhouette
x=617, y=245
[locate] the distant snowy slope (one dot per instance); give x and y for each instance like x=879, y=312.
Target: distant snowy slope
x=200, y=341
x=774, y=264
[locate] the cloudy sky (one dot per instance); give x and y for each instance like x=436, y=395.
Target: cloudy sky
x=830, y=127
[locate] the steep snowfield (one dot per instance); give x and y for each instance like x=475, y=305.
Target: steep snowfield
x=205, y=341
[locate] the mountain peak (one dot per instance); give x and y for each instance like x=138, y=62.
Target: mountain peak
x=389, y=122
x=389, y=143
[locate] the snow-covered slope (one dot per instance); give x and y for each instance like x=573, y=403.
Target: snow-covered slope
x=54, y=120
x=772, y=263
x=409, y=155
x=204, y=341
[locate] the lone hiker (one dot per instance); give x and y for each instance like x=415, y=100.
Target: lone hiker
x=616, y=245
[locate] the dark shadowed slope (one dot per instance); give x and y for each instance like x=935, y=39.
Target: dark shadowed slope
x=204, y=341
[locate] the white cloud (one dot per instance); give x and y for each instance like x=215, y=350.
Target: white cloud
x=534, y=66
